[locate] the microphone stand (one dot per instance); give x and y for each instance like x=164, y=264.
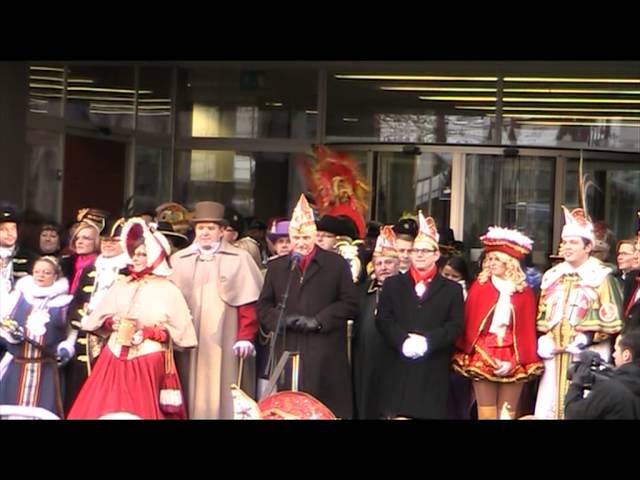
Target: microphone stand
x=271, y=366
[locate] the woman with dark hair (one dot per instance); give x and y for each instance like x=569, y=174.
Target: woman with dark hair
x=144, y=315
x=49, y=242
x=456, y=269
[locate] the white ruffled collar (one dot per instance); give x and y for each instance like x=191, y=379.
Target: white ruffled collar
x=55, y=295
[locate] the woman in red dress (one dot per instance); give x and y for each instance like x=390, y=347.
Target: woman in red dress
x=498, y=348
x=143, y=315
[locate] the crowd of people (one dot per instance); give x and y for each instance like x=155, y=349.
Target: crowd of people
x=157, y=315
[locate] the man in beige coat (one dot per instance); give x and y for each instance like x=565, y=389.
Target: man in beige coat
x=221, y=284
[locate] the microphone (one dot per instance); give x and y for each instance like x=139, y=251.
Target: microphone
x=294, y=260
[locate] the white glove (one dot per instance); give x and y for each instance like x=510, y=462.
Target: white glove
x=69, y=346
x=408, y=349
x=503, y=369
x=420, y=343
x=578, y=344
x=415, y=346
x=546, y=347
x=244, y=348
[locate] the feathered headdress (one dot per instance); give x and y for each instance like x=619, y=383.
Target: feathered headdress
x=577, y=221
x=337, y=186
x=506, y=240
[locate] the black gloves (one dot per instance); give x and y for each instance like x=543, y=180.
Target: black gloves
x=302, y=324
x=583, y=376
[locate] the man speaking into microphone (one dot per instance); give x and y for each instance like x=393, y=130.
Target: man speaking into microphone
x=320, y=299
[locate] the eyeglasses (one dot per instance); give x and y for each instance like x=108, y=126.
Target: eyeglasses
x=422, y=251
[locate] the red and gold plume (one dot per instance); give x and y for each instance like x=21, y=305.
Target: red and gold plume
x=336, y=184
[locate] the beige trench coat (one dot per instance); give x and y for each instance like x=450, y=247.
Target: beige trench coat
x=214, y=289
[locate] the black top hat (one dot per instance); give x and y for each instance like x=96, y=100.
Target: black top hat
x=113, y=227
x=340, y=226
x=373, y=229
x=234, y=220
x=406, y=226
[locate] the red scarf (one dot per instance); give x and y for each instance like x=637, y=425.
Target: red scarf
x=135, y=276
x=424, y=277
x=82, y=261
x=306, y=260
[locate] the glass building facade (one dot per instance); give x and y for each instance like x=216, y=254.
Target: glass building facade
x=471, y=143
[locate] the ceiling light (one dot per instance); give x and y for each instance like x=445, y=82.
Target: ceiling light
x=534, y=115
x=572, y=80
x=47, y=69
x=45, y=85
x=44, y=77
x=570, y=100
x=343, y=76
x=105, y=99
x=552, y=109
x=572, y=90
x=530, y=99
x=111, y=112
x=109, y=90
x=459, y=98
x=439, y=89
x=585, y=124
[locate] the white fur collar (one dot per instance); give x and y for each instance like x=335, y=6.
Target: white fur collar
x=119, y=261
x=35, y=295
x=592, y=273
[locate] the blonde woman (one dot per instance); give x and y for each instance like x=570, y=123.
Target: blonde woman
x=498, y=348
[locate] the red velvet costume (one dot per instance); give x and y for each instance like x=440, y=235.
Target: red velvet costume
x=478, y=347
